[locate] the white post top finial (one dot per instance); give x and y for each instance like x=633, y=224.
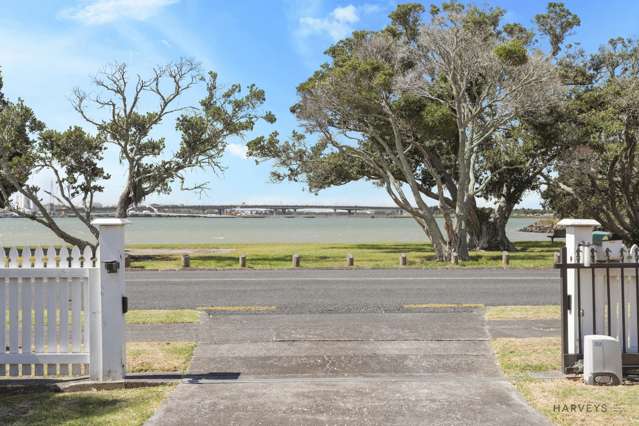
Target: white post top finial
x=578, y=222
x=110, y=221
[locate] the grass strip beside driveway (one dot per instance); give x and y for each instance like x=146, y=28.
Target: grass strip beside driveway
x=539, y=312
x=147, y=357
x=563, y=401
x=122, y=407
x=163, y=316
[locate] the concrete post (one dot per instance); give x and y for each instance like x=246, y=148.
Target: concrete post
x=296, y=261
x=402, y=259
x=350, y=260
x=107, y=334
x=186, y=261
x=505, y=261
x=242, y=261
x=578, y=233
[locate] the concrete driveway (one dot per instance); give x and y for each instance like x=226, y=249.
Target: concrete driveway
x=346, y=368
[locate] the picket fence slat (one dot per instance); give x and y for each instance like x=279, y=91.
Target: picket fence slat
x=64, y=258
x=14, y=311
x=38, y=308
x=51, y=258
x=25, y=295
x=63, y=309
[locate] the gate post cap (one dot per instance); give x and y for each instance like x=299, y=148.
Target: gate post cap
x=578, y=222
x=110, y=221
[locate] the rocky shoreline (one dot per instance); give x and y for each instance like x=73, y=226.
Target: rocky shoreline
x=542, y=226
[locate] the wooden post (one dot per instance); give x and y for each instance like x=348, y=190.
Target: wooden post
x=505, y=261
x=296, y=260
x=242, y=261
x=402, y=259
x=454, y=259
x=350, y=260
x=186, y=261
x=107, y=289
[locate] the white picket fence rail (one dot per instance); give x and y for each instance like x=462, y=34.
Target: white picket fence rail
x=44, y=311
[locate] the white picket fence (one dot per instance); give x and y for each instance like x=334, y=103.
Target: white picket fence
x=44, y=311
x=62, y=313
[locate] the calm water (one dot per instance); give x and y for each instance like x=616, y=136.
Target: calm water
x=246, y=230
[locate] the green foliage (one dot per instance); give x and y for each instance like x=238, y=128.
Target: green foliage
x=512, y=52
x=598, y=172
x=556, y=24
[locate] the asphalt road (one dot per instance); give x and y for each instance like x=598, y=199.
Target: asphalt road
x=340, y=291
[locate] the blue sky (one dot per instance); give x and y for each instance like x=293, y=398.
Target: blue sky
x=48, y=48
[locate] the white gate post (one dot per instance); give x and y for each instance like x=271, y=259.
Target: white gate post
x=107, y=347
x=578, y=232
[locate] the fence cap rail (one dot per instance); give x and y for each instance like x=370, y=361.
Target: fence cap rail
x=578, y=222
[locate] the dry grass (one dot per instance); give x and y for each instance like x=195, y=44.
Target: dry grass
x=521, y=356
x=563, y=401
x=145, y=357
x=567, y=402
x=161, y=316
x=126, y=407
x=542, y=312
x=443, y=305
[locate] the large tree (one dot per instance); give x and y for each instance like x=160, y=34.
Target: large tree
x=385, y=110
x=125, y=113
x=597, y=176
x=490, y=78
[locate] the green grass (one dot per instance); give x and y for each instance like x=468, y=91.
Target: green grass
x=520, y=358
x=375, y=255
x=115, y=407
x=126, y=407
x=161, y=316
x=541, y=312
x=145, y=357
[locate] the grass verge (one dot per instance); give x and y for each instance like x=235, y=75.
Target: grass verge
x=541, y=312
x=162, y=316
x=563, y=401
x=126, y=407
x=116, y=407
x=529, y=254
x=146, y=357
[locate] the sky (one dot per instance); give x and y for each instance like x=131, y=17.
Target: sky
x=49, y=48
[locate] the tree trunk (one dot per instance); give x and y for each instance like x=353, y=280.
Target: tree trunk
x=493, y=228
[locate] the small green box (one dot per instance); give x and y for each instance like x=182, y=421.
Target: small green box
x=599, y=236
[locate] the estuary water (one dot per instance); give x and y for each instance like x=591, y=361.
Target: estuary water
x=330, y=229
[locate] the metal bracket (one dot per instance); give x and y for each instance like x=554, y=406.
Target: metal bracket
x=125, y=304
x=112, y=267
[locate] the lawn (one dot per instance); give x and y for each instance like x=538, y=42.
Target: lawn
x=374, y=255
x=163, y=316
x=125, y=407
x=114, y=407
x=147, y=357
x=535, y=312
x=563, y=401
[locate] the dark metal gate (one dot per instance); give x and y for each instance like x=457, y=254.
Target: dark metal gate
x=602, y=299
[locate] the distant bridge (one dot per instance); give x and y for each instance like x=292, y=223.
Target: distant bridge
x=221, y=209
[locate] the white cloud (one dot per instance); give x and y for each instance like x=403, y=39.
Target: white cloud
x=96, y=12
x=237, y=150
x=338, y=24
